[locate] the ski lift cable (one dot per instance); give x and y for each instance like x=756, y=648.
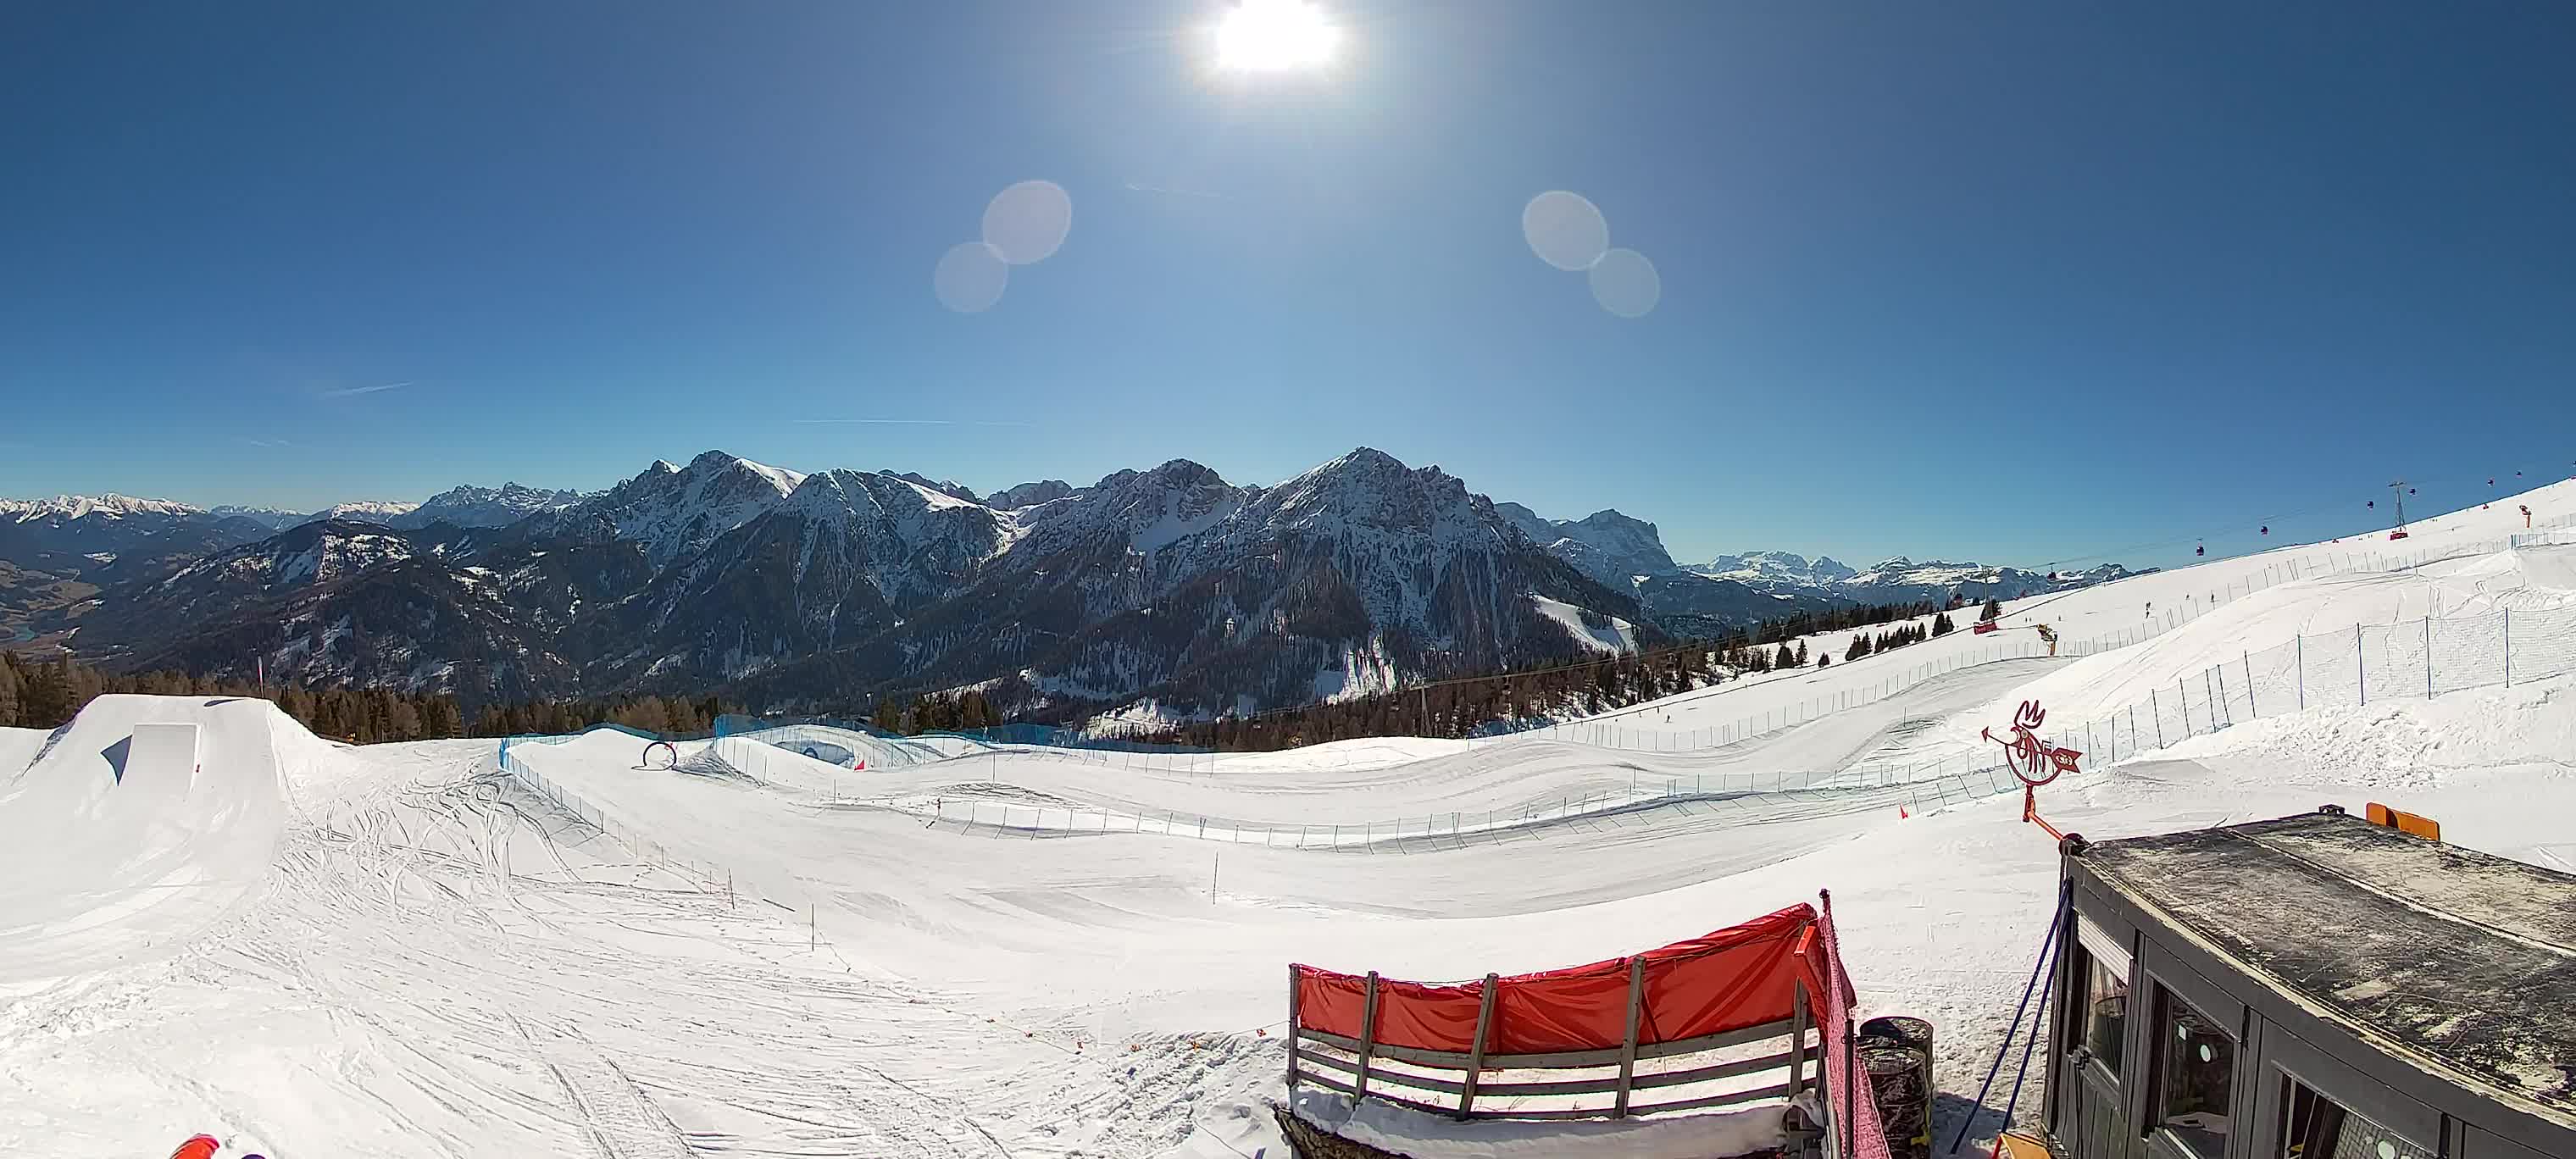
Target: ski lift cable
x=2201, y=538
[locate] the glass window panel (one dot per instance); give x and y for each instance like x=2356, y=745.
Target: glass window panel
x=2105, y=1018
x=2316, y=1127
x=2194, y=1077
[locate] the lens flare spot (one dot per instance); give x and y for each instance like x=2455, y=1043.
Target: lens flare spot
x=1565, y=230
x=970, y=277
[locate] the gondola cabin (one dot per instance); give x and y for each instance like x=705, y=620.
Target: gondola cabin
x=2313, y=987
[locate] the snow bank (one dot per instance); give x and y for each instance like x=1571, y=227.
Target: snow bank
x=1421, y=1136
x=2404, y=744
x=97, y=867
x=17, y=747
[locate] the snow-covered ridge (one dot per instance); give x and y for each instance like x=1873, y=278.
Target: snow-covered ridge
x=472, y=506
x=109, y=506
x=1896, y=579
x=1764, y=569
x=673, y=511
x=368, y=510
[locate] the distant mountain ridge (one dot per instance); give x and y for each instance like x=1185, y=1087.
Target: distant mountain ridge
x=1169, y=590
x=1169, y=586
x=1628, y=554
x=1898, y=580
x=1776, y=568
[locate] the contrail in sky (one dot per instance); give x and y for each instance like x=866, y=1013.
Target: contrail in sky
x=347, y=391
x=1142, y=188
x=909, y=422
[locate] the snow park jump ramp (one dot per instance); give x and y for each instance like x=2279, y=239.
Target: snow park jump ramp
x=134, y=828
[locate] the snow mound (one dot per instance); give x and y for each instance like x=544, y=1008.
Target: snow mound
x=103, y=860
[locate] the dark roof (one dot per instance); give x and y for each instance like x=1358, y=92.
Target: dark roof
x=2454, y=954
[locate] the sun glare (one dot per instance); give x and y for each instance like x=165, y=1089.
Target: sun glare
x=1274, y=36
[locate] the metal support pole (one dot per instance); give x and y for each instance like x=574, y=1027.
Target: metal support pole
x=1476, y=1055
x=1368, y=1038
x=2508, y=647
x=2360, y=665
x=1296, y=1034
x=1851, y=1083
x=1628, y=1048
x=2250, y=707
x=1798, y=1021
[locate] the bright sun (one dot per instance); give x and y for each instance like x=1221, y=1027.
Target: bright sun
x=1274, y=36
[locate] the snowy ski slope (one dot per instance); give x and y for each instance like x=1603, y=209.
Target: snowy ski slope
x=406, y=951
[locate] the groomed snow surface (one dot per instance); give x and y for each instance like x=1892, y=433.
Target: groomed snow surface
x=405, y=950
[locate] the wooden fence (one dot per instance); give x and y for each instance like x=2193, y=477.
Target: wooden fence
x=1359, y=1067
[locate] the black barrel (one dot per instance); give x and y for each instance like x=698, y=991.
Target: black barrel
x=1898, y=1053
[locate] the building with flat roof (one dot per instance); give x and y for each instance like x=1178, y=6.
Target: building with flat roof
x=2312, y=987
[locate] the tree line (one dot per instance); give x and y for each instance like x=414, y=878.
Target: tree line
x=1553, y=691
x=48, y=692
x=671, y=716
x=938, y=712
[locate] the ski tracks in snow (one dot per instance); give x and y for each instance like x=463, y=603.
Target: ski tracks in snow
x=622, y=1122
x=444, y=966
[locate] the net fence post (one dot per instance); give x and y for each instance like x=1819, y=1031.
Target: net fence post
x=1295, y=1032
x=2508, y=647
x=2360, y=664
x=1368, y=1038
x=1851, y=1082
x=1476, y=1054
x=1797, y=1036
x=1628, y=1048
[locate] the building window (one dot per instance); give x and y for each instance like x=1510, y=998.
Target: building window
x=2101, y=1023
x=2197, y=1070
x=2316, y=1127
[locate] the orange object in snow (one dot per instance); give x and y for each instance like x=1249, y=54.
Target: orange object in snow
x=198, y=1147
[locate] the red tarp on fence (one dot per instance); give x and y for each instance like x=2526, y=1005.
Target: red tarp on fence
x=1734, y=978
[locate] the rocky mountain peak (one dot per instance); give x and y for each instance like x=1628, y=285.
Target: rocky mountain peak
x=1028, y=494
x=948, y=487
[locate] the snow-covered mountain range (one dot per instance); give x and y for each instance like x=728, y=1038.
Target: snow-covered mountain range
x=1171, y=587
x=1897, y=580
x=1628, y=554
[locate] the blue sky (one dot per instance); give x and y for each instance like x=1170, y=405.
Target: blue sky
x=2026, y=282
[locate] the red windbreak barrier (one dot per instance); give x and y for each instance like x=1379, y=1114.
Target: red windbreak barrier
x=1734, y=978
